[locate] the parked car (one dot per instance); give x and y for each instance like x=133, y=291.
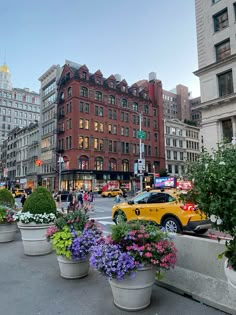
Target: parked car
x=17, y=192
x=112, y=193
x=164, y=209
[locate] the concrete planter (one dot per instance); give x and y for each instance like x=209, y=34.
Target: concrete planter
x=7, y=232
x=34, y=238
x=198, y=273
x=71, y=269
x=230, y=275
x=134, y=294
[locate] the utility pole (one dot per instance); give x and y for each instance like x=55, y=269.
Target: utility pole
x=140, y=151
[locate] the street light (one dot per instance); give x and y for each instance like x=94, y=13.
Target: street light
x=60, y=161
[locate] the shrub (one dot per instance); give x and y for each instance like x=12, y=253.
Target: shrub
x=6, y=198
x=40, y=202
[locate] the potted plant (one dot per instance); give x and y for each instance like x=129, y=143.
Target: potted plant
x=38, y=213
x=130, y=258
x=214, y=190
x=7, y=221
x=72, y=236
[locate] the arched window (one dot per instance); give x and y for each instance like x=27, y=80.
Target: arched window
x=135, y=106
x=112, y=165
x=83, y=91
x=111, y=99
x=62, y=96
x=125, y=165
x=98, y=163
x=98, y=96
x=69, y=91
x=145, y=107
x=124, y=103
x=83, y=162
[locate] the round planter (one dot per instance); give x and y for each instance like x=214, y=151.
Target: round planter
x=230, y=275
x=134, y=294
x=7, y=232
x=34, y=238
x=73, y=269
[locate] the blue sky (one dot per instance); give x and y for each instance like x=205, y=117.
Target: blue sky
x=129, y=37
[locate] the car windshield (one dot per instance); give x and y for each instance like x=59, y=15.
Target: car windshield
x=141, y=198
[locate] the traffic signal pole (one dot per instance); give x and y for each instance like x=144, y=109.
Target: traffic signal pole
x=140, y=152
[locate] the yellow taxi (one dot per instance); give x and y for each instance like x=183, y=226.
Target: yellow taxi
x=111, y=193
x=18, y=192
x=164, y=209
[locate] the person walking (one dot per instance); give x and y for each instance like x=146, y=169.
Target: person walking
x=91, y=199
x=23, y=199
x=58, y=199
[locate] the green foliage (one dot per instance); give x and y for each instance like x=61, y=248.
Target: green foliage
x=119, y=231
x=61, y=241
x=215, y=185
x=39, y=202
x=6, y=198
x=77, y=219
x=214, y=190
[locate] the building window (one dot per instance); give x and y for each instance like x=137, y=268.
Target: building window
x=124, y=103
x=109, y=113
x=83, y=91
x=101, y=111
x=176, y=169
x=225, y=81
x=69, y=91
x=96, y=126
x=110, y=145
x=112, y=99
x=96, y=110
x=169, y=168
x=125, y=166
x=223, y=50
x=145, y=109
x=135, y=106
x=175, y=155
x=98, y=96
x=112, y=165
x=112, y=84
x=86, y=124
x=81, y=142
x=98, y=164
x=181, y=156
x=81, y=123
x=86, y=108
x=215, y=1
x=168, y=154
x=84, y=75
x=227, y=130
x=109, y=128
x=83, y=163
x=221, y=20
x=101, y=127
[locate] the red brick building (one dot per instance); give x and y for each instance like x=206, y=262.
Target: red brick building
x=98, y=121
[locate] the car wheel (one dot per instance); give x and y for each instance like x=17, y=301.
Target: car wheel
x=103, y=196
x=119, y=217
x=201, y=231
x=109, y=195
x=172, y=225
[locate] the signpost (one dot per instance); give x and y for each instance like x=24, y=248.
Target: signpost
x=141, y=134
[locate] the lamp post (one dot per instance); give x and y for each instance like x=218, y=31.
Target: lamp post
x=60, y=161
x=140, y=150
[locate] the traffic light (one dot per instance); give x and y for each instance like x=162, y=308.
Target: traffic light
x=38, y=162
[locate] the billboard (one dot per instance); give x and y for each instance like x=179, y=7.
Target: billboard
x=162, y=182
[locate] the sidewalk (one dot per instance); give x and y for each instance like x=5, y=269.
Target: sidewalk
x=32, y=285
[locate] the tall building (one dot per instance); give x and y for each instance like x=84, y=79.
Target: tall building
x=98, y=124
x=18, y=107
x=177, y=103
x=48, y=126
x=215, y=23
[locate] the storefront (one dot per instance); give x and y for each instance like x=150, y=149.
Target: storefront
x=96, y=180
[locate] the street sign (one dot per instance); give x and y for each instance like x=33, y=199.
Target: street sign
x=141, y=134
x=141, y=165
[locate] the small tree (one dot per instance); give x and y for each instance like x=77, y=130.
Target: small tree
x=6, y=198
x=214, y=190
x=39, y=202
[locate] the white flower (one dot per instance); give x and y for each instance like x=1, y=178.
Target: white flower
x=222, y=163
x=219, y=221
x=213, y=218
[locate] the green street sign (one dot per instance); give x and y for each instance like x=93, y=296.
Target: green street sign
x=141, y=134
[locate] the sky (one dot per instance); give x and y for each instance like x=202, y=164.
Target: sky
x=128, y=37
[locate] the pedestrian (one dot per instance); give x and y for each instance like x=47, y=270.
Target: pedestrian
x=71, y=200
x=91, y=199
x=117, y=199
x=80, y=199
x=23, y=198
x=59, y=199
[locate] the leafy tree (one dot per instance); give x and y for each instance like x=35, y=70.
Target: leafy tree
x=214, y=190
